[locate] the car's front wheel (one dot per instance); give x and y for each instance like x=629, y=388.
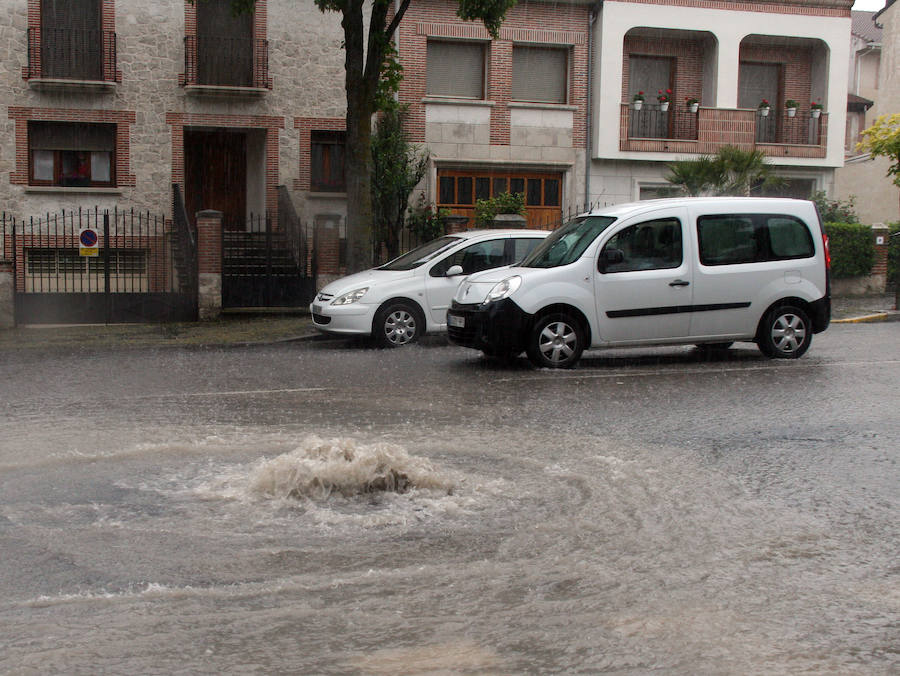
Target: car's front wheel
x=556, y=341
x=397, y=324
x=785, y=333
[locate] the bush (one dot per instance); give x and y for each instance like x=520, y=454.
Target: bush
x=835, y=211
x=893, y=263
x=852, y=249
x=504, y=203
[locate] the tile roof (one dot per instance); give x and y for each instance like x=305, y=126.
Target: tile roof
x=862, y=25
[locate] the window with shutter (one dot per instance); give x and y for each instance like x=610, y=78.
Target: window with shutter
x=455, y=69
x=540, y=74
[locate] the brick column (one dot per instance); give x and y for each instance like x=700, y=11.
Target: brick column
x=7, y=295
x=209, y=264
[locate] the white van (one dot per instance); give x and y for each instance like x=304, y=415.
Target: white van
x=705, y=271
x=402, y=300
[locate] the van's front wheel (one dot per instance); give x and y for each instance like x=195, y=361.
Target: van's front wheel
x=785, y=333
x=556, y=341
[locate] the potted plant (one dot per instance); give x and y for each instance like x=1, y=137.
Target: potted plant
x=692, y=103
x=638, y=100
x=764, y=108
x=664, y=97
x=815, y=109
x=791, y=106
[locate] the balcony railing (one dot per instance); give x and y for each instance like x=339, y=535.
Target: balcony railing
x=226, y=62
x=799, y=129
x=677, y=130
x=651, y=121
x=71, y=54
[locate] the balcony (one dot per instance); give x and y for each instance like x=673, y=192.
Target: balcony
x=71, y=59
x=677, y=130
x=226, y=66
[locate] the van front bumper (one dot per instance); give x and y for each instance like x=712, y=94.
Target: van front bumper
x=497, y=328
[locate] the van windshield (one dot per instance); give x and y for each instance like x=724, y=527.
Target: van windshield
x=422, y=254
x=565, y=245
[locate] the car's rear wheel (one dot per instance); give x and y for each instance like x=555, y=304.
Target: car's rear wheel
x=784, y=333
x=397, y=324
x=556, y=341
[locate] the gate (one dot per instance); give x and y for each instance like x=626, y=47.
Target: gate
x=267, y=267
x=130, y=274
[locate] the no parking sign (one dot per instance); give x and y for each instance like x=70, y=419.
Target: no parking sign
x=88, y=242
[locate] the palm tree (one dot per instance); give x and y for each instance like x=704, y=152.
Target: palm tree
x=731, y=171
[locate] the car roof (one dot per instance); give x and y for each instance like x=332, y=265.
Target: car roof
x=629, y=208
x=518, y=232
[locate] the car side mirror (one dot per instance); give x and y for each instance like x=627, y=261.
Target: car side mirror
x=609, y=257
x=454, y=270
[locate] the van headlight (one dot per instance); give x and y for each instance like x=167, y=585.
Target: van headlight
x=503, y=289
x=350, y=296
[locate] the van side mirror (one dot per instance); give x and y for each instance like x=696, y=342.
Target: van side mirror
x=609, y=257
x=454, y=270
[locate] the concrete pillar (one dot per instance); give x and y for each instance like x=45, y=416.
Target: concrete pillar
x=881, y=237
x=7, y=295
x=509, y=221
x=209, y=264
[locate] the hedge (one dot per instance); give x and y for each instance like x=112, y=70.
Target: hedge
x=852, y=249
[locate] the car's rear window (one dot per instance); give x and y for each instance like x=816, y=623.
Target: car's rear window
x=729, y=239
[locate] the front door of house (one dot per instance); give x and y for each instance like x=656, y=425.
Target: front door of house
x=215, y=172
x=758, y=81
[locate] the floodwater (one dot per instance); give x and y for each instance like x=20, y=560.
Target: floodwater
x=170, y=522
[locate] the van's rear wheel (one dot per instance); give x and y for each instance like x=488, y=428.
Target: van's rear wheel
x=784, y=333
x=556, y=341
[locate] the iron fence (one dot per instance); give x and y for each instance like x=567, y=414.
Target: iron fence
x=801, y=128
x=71, y=54
x=226, y=62
x=651, y=121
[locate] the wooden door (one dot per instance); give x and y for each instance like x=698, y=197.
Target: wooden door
x=215, y=170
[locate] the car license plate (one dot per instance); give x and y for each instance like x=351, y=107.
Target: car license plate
x=456, y=321
x=317, y=309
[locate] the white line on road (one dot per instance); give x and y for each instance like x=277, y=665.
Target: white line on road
x=236, y=392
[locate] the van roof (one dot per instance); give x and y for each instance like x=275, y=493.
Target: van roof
x=629, y=208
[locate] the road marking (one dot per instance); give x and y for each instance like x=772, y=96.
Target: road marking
x=581, y=375
x=228, y=393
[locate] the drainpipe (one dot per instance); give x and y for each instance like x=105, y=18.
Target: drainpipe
x=592, y=17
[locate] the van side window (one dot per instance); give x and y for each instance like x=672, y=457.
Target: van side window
x=651, y=245
x=729, y=239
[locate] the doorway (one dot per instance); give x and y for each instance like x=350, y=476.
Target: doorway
x=215, y=174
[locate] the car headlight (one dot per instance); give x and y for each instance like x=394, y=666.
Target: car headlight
x=350, y=296
x=503, y=289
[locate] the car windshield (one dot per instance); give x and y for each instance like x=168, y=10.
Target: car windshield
x=565, y=245
x=422, y=254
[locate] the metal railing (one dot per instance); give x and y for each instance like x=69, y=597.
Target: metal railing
x=226, y=62
x=72, y=54
x=798, y=129
x=651, y=121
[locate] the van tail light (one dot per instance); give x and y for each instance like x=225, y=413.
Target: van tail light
x=827, y=252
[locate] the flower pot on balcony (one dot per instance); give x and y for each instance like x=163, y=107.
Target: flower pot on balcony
x=664, y=106
x=694, y=107
x=814, y=113
x=791, y=112
x=764, y=112
x=638, y=105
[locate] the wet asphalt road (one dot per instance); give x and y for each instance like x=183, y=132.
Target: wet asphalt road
x=751, y=503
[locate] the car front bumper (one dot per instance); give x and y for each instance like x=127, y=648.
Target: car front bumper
x=353, y=319
x=496, y=328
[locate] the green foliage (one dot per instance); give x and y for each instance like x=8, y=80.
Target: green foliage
x=731, y=171
x=389, y=83
x=852, y=249
x=490, y=12
x=893, y=262
x=883, y=138
x=397, y=167
x=504, y=203
x=425, y=222
x=835, y=211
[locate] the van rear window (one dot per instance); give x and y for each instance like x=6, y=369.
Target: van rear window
x=729, y=239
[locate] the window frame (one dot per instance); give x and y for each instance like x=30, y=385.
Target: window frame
x=567, y=54
x=58, y=181
x=482, y=45
x=327, y=140
x=637, y=227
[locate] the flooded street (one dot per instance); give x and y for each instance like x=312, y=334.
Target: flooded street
x=326, y=508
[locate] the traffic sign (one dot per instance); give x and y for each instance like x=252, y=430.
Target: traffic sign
x=88, y=241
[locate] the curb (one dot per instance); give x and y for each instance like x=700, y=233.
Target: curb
x=865, y=319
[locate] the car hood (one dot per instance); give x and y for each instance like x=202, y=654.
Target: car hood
x=365, y=278
x=475, y=287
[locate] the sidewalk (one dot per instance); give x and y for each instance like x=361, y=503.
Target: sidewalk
x=235, y=330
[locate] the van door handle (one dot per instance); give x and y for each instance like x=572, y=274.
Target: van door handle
x=679, y=282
